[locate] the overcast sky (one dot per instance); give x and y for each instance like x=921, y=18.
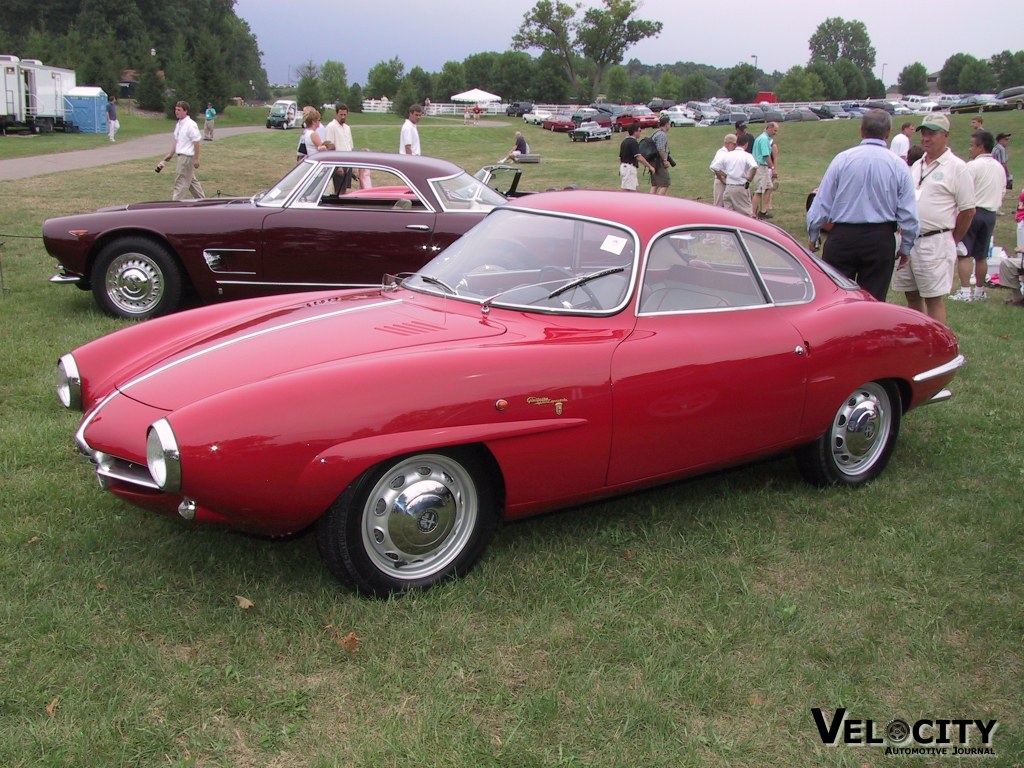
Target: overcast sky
x=427, y=33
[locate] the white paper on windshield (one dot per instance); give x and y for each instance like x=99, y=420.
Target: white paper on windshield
x=614, y=244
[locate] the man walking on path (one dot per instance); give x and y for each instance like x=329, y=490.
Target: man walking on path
x=186, y=149
x=113, y=124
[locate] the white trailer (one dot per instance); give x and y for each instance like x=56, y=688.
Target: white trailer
x=33, y=94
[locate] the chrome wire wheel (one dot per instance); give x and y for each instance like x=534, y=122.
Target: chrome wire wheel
x=134, y=284
x=419, y=517
x=860, y=432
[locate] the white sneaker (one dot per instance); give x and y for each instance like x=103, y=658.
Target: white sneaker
x=964, y=294
x=979, y=295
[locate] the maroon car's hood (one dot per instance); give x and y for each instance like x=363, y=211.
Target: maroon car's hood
x=330, y=331
x=206, y=202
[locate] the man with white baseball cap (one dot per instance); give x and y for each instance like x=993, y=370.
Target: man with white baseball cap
x=945, y=207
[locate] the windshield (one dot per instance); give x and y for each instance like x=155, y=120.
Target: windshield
x=276, y=196
x=279, y=109
x=465, y=193
x=535, y=262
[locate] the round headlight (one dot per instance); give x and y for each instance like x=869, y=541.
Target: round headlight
x=162, y=456
x=69, y=383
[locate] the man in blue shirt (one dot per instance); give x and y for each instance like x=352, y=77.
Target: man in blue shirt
x=866, y=195
x=764, y=178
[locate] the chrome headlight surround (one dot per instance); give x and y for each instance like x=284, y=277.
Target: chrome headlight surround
x=69, y=383
x=162, y=456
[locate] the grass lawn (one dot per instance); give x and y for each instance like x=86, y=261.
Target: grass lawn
x=697, y=624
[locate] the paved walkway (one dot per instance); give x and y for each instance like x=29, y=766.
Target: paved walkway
x=135, y=149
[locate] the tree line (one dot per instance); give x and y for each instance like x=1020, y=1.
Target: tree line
x=195, y=50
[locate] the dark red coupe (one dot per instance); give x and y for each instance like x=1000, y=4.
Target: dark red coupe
x=575, y=345
x=336, y=220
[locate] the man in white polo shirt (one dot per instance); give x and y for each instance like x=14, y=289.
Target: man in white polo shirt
x=186, y=149
x=945, y=207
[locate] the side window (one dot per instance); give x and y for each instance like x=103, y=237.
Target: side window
x=693, y=270
x=365, y=189
x=784, y=277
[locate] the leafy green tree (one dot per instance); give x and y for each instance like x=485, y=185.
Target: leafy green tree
x=481, y=71
x=1008, y=68
x=641, y=90
x=913, y=79
x=835, y=38
x=384, y=78
x=696, y=87
x=309, y=92
x=854, y=82
x=405, y=98
x=835, y=88
x=334, y=81
x=355, y=98
x=97, y=67
x=550, y=84
x=949, y=75
x=741, y=86
x=450, y=80
x=421, y=83
x=670, y=85
x=799, y=85
x=618, y=85
x=976, y=77
x=180, y=76
x=150, y=91
x=513, y=76
x=600, y=37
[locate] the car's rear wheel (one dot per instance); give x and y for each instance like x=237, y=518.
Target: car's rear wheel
x=136, y=278
x=858, y=444
x=410, y=523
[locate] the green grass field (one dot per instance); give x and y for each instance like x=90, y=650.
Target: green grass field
x=697, y=624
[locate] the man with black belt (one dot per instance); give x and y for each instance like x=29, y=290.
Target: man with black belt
x=186, y=150
x=866, y=195
x=945, y=204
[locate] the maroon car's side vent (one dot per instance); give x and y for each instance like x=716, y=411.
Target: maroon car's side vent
x=410, y=329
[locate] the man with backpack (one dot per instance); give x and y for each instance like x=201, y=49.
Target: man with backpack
x=631, y=158
x=659, y=176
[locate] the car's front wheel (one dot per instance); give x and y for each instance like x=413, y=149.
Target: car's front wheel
x=410, y=523
x=859, y=442
x=136, y=278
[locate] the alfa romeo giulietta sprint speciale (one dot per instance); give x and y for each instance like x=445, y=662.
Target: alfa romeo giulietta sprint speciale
x=572, y=346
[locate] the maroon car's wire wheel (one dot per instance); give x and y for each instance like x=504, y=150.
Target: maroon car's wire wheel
x=134, y=283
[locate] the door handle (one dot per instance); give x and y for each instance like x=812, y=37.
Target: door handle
x=418, y=227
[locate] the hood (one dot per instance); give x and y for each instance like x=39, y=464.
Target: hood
x=334, y=329
x=206, y=202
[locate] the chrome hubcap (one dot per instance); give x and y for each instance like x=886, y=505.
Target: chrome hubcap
x=134, y=283
x=419, y=517
x=861, y=429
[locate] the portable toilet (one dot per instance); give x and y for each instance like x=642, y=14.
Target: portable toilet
x=86, y=108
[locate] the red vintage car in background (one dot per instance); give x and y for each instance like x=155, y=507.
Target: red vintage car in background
x=394, y=214
x=558, y=122
x=575, y=345
x=637, y=114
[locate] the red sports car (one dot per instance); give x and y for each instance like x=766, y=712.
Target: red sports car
x=574, y=345
x=637, y=114
x=558, y=123
x=336, y=220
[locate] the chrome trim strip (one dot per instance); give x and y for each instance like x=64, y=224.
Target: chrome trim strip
x=65, y=279
x=310, y=286
x=957, y=362
x=939, y=397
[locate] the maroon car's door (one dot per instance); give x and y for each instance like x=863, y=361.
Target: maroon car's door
x=306, y=248
x=713, y=372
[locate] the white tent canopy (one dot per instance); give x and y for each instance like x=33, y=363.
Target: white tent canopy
x=475, y=95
